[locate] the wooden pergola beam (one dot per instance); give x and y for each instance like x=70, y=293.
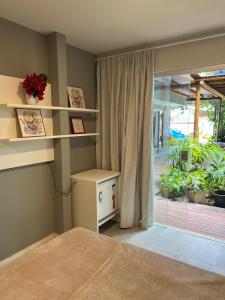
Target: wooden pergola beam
x=176, y=86
x=210, y=89
x=197, y=112
x=204, y=99
x=210, y=78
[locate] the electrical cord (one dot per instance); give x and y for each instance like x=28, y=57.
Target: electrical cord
x=56, y=188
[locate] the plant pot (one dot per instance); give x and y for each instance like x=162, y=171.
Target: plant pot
x=166, y=194
x=31, y=100
x=219, y=197
x=197, y=197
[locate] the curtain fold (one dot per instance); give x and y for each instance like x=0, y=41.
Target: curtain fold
x=125, y=100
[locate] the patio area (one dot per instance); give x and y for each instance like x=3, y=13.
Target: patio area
x=198, y=218
x=189, y=139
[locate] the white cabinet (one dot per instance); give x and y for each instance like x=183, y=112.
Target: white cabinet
x=107, y=198
x=94, y=198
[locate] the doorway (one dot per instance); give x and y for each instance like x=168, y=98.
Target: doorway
x=189, y=141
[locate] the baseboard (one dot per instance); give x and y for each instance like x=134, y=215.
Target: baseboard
x=32, y=246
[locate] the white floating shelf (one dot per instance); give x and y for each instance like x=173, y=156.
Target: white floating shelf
x=50, y=137
x=84, y=110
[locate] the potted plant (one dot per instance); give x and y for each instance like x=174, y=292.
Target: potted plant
x=219, y=198
x=216, y=178
x=165, y=186
x=195, y=152
x=34, y=86
x=198, y=168
x=172, y=184
x=196, y=186
x=176, y=147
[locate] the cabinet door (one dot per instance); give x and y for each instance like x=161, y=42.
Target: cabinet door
x=100, y=195
x=108, y=193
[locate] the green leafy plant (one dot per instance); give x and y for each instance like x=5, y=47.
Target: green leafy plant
x=196, y=181
x=203, y=169
x=212, y=147
x=215, y=179
x=176, y=146
x=197, y=153
x=173, y=182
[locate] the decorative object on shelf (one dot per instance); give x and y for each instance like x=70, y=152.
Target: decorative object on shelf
x=77, y=125
x=35, y=86
x=31, y=100
x=31, y=122
x=76, y=97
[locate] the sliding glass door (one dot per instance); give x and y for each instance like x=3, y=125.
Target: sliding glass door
x=188, y=112
x=169, y=109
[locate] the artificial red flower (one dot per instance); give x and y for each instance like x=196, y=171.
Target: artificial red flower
x=35, y=85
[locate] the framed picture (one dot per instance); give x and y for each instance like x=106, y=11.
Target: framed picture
x=77, y=125
x=31, y=122
x=76, y=97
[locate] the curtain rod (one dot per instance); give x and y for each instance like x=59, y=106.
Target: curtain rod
x=163, y=46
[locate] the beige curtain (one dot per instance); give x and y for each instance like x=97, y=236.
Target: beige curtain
x=125, y=100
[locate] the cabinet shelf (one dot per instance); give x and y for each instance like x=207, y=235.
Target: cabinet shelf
x=81, y=110
x=50, y=137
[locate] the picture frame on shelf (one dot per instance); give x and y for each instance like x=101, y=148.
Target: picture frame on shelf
x=76, y=97
x=77, y=125
x=30, y=122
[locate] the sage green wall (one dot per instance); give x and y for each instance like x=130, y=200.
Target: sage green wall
x=57, y=63
x=81, y=72
x=27, y=209
x=26, y=198
x=21, y=50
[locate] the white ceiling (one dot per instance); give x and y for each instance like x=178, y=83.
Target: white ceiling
x=100, y=26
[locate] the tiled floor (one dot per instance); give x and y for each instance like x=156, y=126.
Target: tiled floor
x=195, y=250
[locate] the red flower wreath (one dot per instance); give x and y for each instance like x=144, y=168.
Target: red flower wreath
x=35, y=85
